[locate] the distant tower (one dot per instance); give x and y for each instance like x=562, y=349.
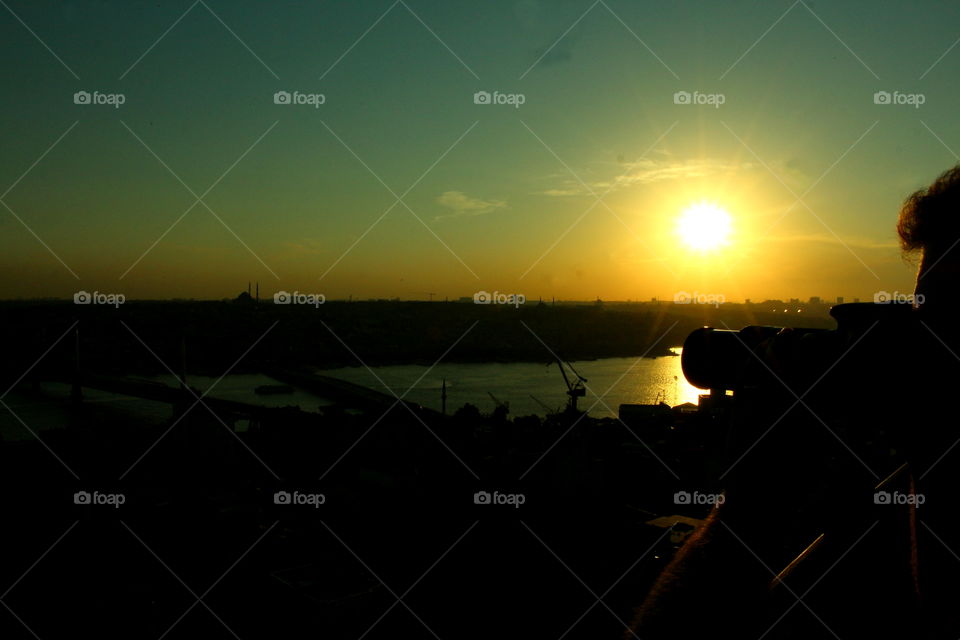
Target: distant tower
x=248, y=288
x=258, y=291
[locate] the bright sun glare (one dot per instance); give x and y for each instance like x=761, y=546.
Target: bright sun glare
x=704, y=226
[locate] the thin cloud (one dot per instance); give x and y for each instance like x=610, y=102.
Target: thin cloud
x=856, y=242
x=460, y=205
x=648, y=171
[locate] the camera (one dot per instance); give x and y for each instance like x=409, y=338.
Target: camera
x=733, y=360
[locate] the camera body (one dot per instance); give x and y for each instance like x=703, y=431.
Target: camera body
x=737, y=360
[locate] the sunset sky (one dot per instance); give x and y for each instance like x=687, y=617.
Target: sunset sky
x=493, y=196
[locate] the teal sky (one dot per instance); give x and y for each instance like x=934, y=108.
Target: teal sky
x=494, y=190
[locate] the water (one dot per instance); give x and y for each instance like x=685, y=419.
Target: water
x=615, y=380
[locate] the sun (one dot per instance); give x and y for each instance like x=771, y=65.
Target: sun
x=704, y=226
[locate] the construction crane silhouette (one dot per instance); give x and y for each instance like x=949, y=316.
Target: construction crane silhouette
x=575, y=388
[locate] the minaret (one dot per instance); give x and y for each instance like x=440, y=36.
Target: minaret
x=443, y=398
x=258, y=291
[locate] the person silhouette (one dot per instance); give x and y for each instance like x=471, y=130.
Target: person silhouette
x=841, y=470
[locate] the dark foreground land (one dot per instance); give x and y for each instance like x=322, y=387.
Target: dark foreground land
x=216, y=334
x=356, y=522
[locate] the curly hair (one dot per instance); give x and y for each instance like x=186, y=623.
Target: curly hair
x=930, y=217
